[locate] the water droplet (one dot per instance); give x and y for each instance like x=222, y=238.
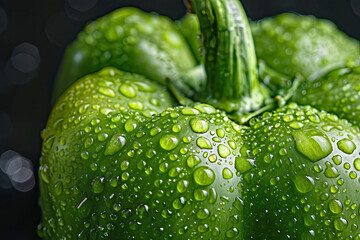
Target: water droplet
x=107, y=91
x=296, y=125
x=192, y=161
x=335, y=206
x=176, y=128
x=44, y=173
x=340, y=224
x=288, y=118
x=330, y=171
x=346, y=145
x=58, y=188
x=97, y=185
x=179, y=203
x=168, y=142
x=154, y=131
x=200, y=194
x=212, y=158
x=223, y=150
x=144, y=87
x=205, y=108
x=304, y=184
x=232, y=232
x=189, y=111
x=113, y=182
x=220, y=132
x=142, y=211
x=309, y=220
x=268, y=158
x=204, y=176
x=116, y=143
x=182, y=186
x=227, y=173
x=313, y=143
x=337, y=159
x=242, y=164
x=128, y=90
x=212, y=196
x=199, y=125
x=203, y=142
x=238, y=204
x=49, y=141
x=203, y=213
x=353, y=175
x=130, y=125
x=136, y=105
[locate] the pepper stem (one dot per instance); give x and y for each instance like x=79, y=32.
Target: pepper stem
x=230, y=60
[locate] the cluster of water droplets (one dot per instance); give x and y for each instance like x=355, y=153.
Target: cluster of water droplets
x=305, y=182
x=341, y=93
x=111, y=168
x=292, y=44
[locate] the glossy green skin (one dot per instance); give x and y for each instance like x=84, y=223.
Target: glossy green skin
x=109, y=170
x=291, y=44
x=336, y=92
x=116, y=157
x=134, y=41
x=289, y=196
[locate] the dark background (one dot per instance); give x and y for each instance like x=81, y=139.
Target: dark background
x=33, y=36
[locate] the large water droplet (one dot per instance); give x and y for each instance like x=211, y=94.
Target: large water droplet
x=313, y=143
x=223, y=150
x=98, y=185
x=357, y=164
x=130, y=125
x=227, y=173
x=182, y=186
x=189, y=111
x=142, y=211
x=200, y=194
x=340, y=224
x=204, y=176
x=335, y=206
x=168, y=142
x=192, y=161
x=203, y=213
x=107, y=91
x=242, y=164
x=199, y=125
x=238, y=204
x=304, y=184
x=127, y=90
x=203, y=142
x=331, y=172
x=232, y=232
x=205, y=108
x=179, y=203
x=116, y=143
x=346, y=145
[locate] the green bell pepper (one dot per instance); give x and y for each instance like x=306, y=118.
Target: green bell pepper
x=123, y=159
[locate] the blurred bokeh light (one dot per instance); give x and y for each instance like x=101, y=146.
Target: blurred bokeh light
x=19, y=170
x=23, y=64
